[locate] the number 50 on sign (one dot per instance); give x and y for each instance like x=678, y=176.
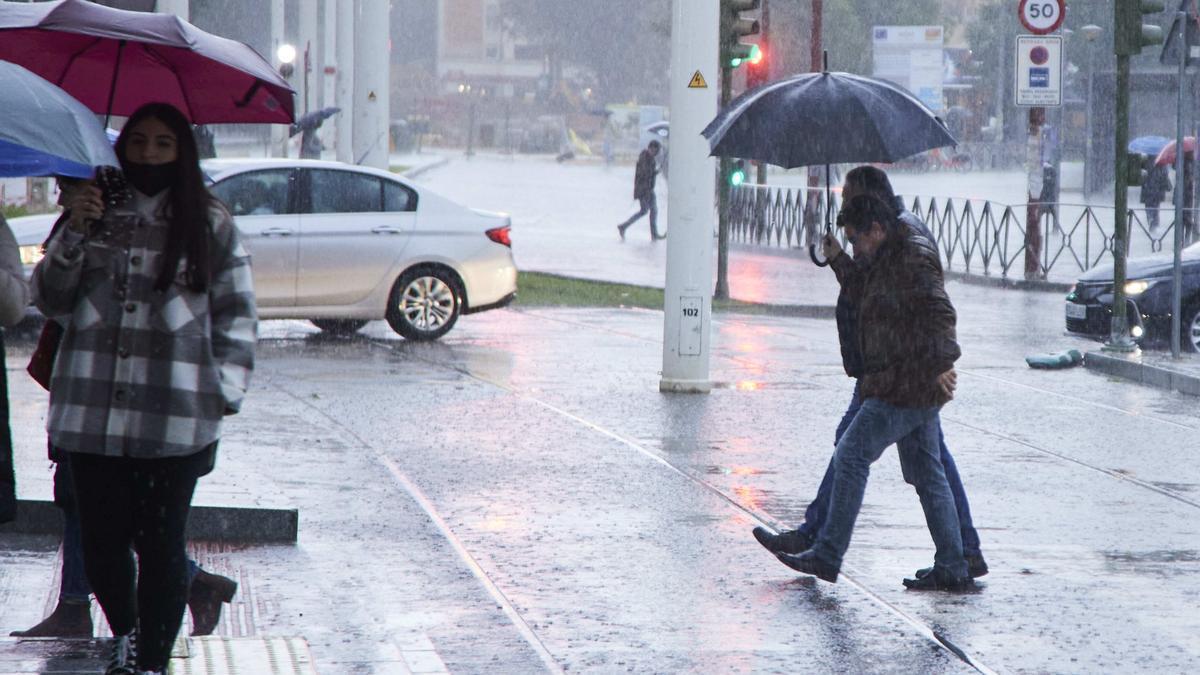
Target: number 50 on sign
x=1041, y=16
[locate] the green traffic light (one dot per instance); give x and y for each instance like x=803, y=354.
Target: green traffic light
x=737, y=177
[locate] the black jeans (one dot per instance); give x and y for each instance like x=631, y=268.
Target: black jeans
x=141, y=505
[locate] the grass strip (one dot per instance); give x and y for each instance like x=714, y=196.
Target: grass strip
x=538, y=289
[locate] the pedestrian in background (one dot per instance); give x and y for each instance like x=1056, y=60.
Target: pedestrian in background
x=907, y=342
x=158, y=345
x=643, y=191
x=14, y=298
x=1154, y=190
x=869, y=180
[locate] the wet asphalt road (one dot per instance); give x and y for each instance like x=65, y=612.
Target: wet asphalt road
x=521, y=496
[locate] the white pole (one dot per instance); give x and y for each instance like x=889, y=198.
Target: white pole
x=688, y=302
x=327, y=62
x=306, y=58
x=372, y=78
x=346, y=10
x=177, y=7
x=279, y=132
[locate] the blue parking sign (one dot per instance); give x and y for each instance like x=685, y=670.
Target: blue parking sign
x=1039, y=77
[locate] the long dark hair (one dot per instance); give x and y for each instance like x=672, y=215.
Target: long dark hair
x=188, y=225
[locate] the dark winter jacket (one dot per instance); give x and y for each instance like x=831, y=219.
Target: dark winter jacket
x=906, y=323
x=643, y=177
x=1156, y=186
x=846, y=313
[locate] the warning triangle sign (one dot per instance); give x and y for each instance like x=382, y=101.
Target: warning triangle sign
x=697, y=82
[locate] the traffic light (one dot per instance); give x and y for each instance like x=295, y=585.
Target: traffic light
x=1130, y=34
x=737, y=172
x=733, y=28
x=759, y=68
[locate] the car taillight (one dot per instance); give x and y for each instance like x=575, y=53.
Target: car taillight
x=501, y=235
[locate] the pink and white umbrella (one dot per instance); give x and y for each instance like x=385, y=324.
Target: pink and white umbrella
x=113, y=61
x=1166, y=156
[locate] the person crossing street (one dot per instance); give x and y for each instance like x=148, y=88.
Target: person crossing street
x=643, y=191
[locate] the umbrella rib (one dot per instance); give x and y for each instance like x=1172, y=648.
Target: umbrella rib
x=187, y=100
x=71, y=61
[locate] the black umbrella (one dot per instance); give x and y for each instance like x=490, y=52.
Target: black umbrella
x=826, y=118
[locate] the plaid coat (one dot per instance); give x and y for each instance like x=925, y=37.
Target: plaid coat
x=142, y=373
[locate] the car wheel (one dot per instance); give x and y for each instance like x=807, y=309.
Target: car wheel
x=339, y=326
x=1189, y=330
x=425, y=303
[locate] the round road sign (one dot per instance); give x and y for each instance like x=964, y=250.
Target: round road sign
x=1041, y=16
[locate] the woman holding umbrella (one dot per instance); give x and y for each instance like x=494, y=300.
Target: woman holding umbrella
x=158, y=308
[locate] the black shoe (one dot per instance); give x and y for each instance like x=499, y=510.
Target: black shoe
x=976, y=567
x=787, y=541
x=808, y=563
x=621, y=231
x=938, y=582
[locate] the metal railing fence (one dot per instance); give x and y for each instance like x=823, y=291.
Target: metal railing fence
x=974, y=236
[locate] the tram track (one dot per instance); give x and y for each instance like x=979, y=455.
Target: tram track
x=849, y=574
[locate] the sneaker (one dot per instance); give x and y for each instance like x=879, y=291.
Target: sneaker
x=976, y=567
x=808, y=563
x=787, y=541
x=124, y=656
x=937, y=582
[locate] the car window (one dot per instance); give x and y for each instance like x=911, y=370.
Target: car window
x=256, y=193
x=344, y=192
x=396, y=197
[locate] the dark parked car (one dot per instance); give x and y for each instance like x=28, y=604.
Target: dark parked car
x=1148, y=289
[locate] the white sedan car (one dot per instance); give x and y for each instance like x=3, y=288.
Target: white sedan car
x=340, y=245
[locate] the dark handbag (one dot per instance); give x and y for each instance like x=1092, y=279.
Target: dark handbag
x=41, y=363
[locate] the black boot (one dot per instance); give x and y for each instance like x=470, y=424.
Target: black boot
x=205, y=597
x=808, y=563
x=68, y=620
x=976, y=567
x=787, y=541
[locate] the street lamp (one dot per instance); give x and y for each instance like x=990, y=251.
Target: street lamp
x=1090, y=33
x=287, y=56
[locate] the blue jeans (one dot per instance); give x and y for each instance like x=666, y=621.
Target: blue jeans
x=647, y=204
x=74, y=586
x=914, y=431
x=814, y=515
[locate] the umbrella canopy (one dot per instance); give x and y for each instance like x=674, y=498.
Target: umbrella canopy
x=1167, y=154
x=1148, y=145
x=44, y=132
x=114, y=61
x=826, y=118
x=313, y=120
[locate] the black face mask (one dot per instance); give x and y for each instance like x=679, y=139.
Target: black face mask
x=151, y=179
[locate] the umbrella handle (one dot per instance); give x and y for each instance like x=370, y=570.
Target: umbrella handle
x=812, y=253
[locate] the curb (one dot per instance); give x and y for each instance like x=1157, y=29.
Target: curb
x=414, y=172
x=205, y=523
x=1132, y=368
x=1038, y=285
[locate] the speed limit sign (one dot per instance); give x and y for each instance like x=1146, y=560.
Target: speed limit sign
x=1042, y=16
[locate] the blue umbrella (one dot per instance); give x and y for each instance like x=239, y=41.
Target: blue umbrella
x=45, y=132
x=1148, y=145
